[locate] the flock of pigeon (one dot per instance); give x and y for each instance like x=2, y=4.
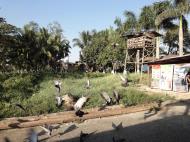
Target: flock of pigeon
x=48, y=129
x=76, y=104
x=72, y=102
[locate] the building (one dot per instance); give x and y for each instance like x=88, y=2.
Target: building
x=170, y=73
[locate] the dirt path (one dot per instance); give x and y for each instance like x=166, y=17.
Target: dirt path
x=176, y=95
x=171, y=124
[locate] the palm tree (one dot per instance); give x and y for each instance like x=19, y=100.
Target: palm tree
x=159, y=7
x=146, y=19
x=177, y=11
x=130, y=22
x=119, y=24
x=83, y=41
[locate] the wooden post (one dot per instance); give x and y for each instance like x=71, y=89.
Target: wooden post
x=157, y=45
x=125, y=66
x=135, y=67
x=149, y=76
x=137, y=60
x=142, y=63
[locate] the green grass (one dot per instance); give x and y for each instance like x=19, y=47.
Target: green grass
x=37, y=92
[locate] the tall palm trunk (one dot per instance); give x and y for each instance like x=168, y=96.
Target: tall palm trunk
x=181, y=36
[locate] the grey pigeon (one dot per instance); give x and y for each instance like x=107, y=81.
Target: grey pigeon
x=106, y=98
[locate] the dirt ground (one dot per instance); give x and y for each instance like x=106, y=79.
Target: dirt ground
x=171, y=124
x=176, y=95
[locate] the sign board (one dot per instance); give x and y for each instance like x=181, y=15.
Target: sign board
x=155, y=81
x=166, y=77
x=179, y=80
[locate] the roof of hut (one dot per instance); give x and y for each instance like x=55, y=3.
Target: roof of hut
x=138, y=34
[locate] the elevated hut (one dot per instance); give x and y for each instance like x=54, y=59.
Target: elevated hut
x=141, y=48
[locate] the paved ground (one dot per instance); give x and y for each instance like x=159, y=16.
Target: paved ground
x=171, y=124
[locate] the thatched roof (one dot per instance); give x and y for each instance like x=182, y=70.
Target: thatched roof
x=134, y=35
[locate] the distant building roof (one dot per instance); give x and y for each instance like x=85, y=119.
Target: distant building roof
x=172, y=60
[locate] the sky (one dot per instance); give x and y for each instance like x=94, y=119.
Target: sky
x=74, y=16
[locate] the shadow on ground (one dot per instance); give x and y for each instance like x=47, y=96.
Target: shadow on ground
x=171, y=124
x=174, y=128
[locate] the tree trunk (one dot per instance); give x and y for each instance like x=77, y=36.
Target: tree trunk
x=180, y=36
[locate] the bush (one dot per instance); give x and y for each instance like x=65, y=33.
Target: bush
x=134, y=97
x=136, y=78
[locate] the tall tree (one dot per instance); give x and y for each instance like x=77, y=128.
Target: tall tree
x=146, y=18
x=130, y=22
x=83, y=41
x=177, y=11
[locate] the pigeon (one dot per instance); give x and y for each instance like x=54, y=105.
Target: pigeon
x=159, y=102
x=152, y=111
x=80, y=113
x=124, y=81
x=117, y=127
x=87, y=85
x=69, y=129
x=33, y=136
x=59, y=101
x=79, y=104
x=106, y=98
x=116, y=96
x=21, y=107
x=57, y=84
x=69, y=100
x=49, y=128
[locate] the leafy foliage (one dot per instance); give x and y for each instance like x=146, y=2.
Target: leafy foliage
x=32, y=48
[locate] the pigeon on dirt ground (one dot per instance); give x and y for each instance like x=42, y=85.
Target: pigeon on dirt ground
x=106, y=98
x=79, y=104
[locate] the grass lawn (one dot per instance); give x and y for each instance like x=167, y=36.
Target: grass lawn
x=37, y=92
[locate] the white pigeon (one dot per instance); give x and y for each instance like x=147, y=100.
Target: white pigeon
x=59, y=100
x=80, y=102
x=122, y=78
x=57, y=84
x=87, y=85
x=47, y=129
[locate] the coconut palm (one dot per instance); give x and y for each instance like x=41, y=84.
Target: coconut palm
x=131, y=21
x=82, y=41
x=146, y=19
x=177, y=11
x=119, y=24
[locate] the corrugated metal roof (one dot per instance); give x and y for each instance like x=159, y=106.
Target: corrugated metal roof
x=172, y=60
